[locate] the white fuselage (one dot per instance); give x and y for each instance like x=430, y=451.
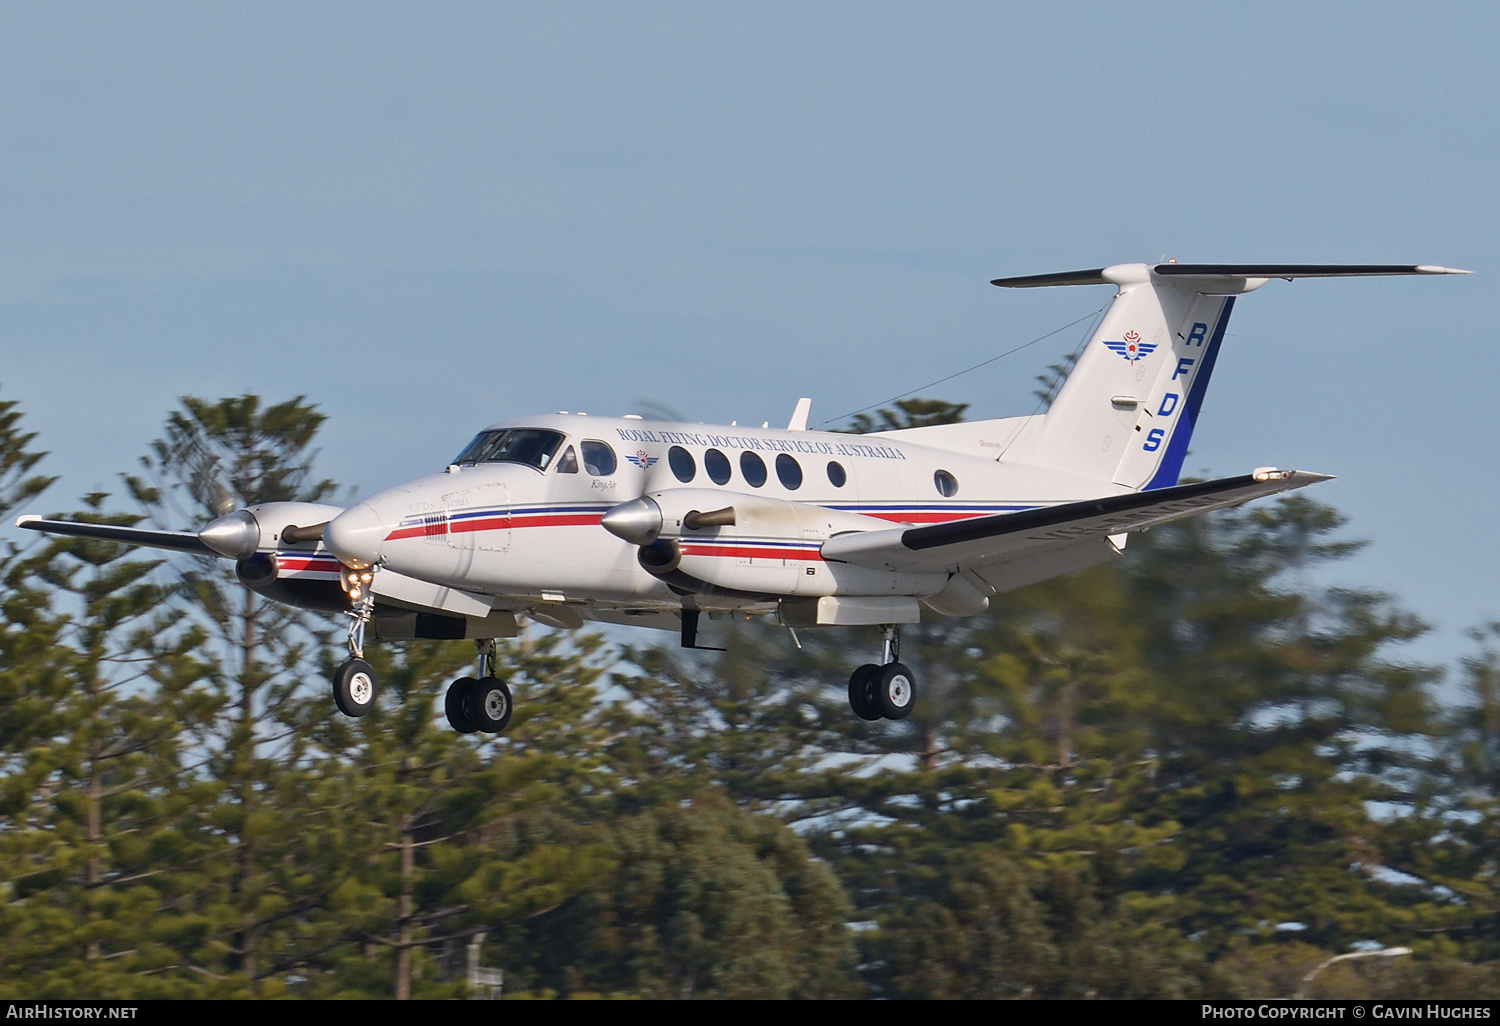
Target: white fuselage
x=525, y=534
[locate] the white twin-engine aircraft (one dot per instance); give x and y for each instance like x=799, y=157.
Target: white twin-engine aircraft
x=568, y=518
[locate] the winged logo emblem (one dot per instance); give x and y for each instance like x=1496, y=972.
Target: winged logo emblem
x=1131, y=347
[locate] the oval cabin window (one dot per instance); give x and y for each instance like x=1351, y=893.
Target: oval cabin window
x=717, y=465
x=752, y=469
x=789, y=471
x=682, y=463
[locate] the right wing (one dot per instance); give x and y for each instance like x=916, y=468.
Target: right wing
x=971, y=544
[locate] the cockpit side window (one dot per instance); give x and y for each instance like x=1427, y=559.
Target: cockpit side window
x=569, y=462
x=475, y=451
x=598, y=459
x=534, y=447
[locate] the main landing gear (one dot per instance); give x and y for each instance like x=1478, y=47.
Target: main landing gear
x=887, y=691
x=481, y=704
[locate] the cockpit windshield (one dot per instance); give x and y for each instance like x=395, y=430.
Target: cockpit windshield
x=531, y=446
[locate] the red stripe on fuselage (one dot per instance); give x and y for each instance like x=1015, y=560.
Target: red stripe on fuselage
x=292, y=565
x=751, y=552
x=500, y=523
x=925, y=518
x=420, y=531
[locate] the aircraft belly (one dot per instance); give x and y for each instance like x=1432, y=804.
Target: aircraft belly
x=1040, y=565
x=797, y=573
x=848, y=579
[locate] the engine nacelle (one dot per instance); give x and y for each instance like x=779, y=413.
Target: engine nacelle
x=278, y=554
x=308, y=580
x=266, y=527
x=704, y=540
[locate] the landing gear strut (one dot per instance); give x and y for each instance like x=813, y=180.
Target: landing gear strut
x=482, y=704
x=354, y=681
x=887, y=691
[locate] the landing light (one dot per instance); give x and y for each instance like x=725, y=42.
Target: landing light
x=355, y=581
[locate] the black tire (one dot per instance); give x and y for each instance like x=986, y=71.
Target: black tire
x=862, y=694
x=354, y=687
x=455, y=705
x=895, y=691
x=489, y=705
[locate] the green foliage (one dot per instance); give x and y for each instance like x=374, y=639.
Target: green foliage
x=1192, y=772
x=1052, y=382
x=1478, y=735
x=17, y=460
x=705, y=900
x=216, y=456
x=909, y=413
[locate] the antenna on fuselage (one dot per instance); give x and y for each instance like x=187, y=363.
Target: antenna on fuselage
x=799, y=415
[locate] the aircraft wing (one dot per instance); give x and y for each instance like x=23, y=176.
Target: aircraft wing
x=981, y=540
x=177, y=541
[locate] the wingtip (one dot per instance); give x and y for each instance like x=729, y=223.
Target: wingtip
x=1311, y=477
x=1299, y=477
x=26, y=519
x=1439, y=269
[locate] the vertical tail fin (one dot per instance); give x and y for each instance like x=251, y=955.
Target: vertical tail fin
x=1128, y=409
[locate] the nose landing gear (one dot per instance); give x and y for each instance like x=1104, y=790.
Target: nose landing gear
x=887, y=691
x=482, y=704
x=354, y=681
x=354, y=687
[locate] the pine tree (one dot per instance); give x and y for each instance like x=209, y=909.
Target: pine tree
x=426, y=839
x=114, y=776
x=1451, y=844
x=215, y=455
x=909, y=413
x=1477, y=732
x=35, y=678
x=1278, y=716
x=705, y=900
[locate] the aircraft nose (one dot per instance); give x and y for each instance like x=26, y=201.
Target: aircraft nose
x=355, y=536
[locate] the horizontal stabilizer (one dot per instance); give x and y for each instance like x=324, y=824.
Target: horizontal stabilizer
x=1101, y=275
x=1290, y=271
x=967, y=543
x=177, y=541
x=1031, y=281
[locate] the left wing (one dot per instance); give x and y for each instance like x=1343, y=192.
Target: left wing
x=176, y=541
x=969, y=543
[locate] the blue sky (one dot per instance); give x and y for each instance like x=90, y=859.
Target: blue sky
x=426, y=218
